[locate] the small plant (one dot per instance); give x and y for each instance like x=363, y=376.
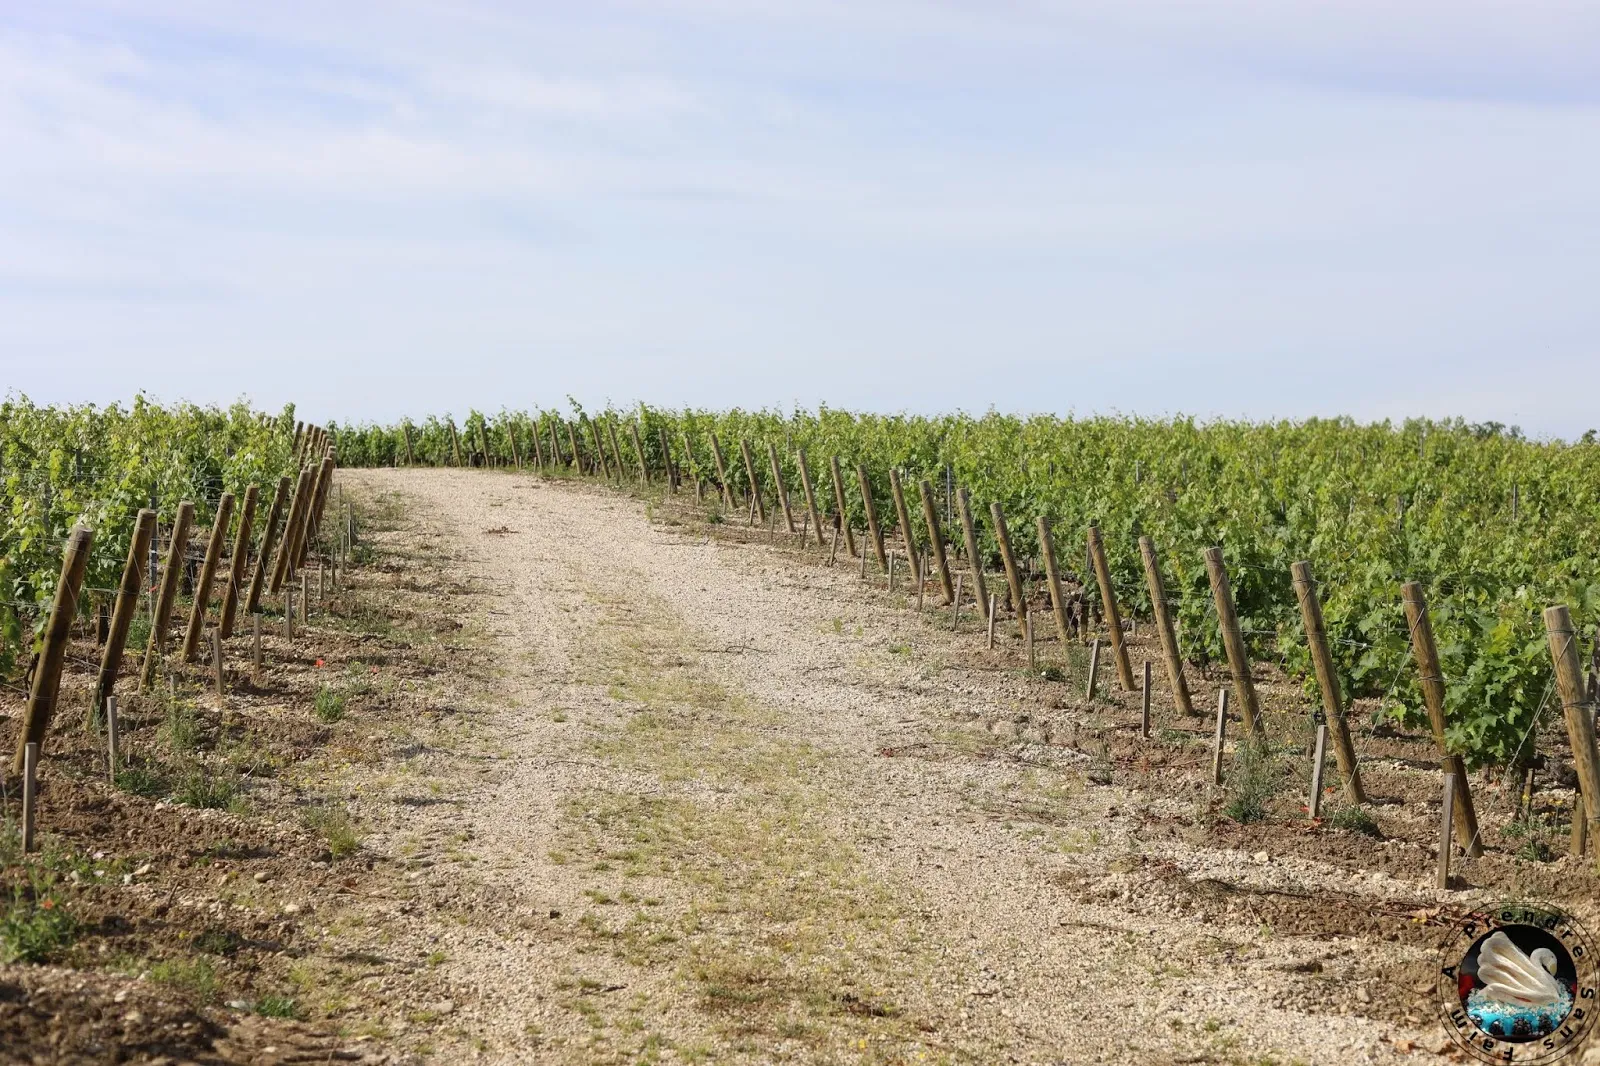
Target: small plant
x=208, y=791
x=144, y=779
x=329, y=704
x=278, y=1007
x=217, y=941
x=195, y=979
x=1257, y=778
x=337, y=829
x=1052, y=673
x=180, y=726
x=1532, y=839
x=1355, y=819
x=34, y=926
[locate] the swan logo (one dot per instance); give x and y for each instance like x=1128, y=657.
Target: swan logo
x=1519, y=984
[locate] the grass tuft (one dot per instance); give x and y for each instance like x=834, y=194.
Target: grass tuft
x=1257, y=777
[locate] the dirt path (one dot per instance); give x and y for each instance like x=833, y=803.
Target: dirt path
x=732, y=807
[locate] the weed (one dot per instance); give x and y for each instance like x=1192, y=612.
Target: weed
x=1257, y=778
x=180, y=726
x=277, y=1007
x=838, y=624
x=208, y=790
x=217, y=941
x=337, y=829
x=1355, y=819
x=144, y=779
x=329, y=704
x=195, y=979
x=34, y=926
x=1052, y=673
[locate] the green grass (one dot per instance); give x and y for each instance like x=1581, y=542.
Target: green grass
x=144, y=779
x=180, y=726
x=329, y=704
x=1354, y=819
x=209, y=790
x=1257, y=778
x=278, y=1007
x=337, y=829
x=34, y=924
x=195, y=979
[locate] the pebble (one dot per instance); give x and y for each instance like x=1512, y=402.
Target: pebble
x=261, y=877
x=141, y=871
x=291, y=908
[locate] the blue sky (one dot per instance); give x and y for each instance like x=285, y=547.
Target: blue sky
x=1235, y=208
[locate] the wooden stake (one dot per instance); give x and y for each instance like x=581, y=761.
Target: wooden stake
x=112, y=728
x=556, y=458
x=577, y=452
x=638, y=450
x=1222, y=730
x=30, y=792
x=839, y=507
x=288, y=611
x=216, y=656
x=305, y=598
x=208, y=572
x=919, y=566
x=810, y=491
x=1580, y=824
x=969, y=536
x=955, y=607
x=1577, y=708
x=722, y=475
x=863, y=561
x=280, y=498
x=538, y=449
x=1233, y=640
x=616, y=448
x=133, y=581
x=313, y=518
x=1446, y=822
x=1318, y=753
x=805, y=530
x=1027, y=636
x=455, y=441
x=255, y=658
x=483, y=440
x=1058, y=602
x=1328, y=681
x=233, y=590
x=781, y=489
x=757, y=504
x=891, y=571
x=1108, y=605
x=510, y=423
x=874, y=530
x=991, y=620
x=1013, y=578
x=833, y=552
x=930, y=515
x=1431, y=681
x=288, y=544
x=902, y=515
x=1144, y=721
x=667, y=461
x=1094, y=669
x=169, y=592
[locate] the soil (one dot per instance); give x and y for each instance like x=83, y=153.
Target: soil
x=619, y=778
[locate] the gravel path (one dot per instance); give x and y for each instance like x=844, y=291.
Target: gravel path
x=734, y=806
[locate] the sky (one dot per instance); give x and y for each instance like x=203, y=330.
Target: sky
x=1221, y=208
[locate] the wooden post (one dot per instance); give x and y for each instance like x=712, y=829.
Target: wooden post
x=1094, y=669
x=666, y=460
x=1318, y=757
x=411, y=457
x=757, y=504
x=577, y=452
x=1108, y=605
x=930, y=515
x=919, y=566
x=1013, y=577
x=722, y=475
x=216, y=662
x=58, y=631
x=1446, y=822
x=510, y=422
x=30, y=792
x=208, y=572
x=319, y=500
x=1580, y=824
x=305, y=598
x=169, y=592
x=833, y=552
x=891, y=571
x=969, y=536
x=781, y=488
x=1431, y=681
x=1144, y=721
x=280, y=498
x=239, y=563
x=616, y=448
x=288, y=610
x=455, y=441
x=874, y=530
x=1578, y=710
x=955, y=607
x=133, y=581
x=805, y=530
x=556, y=458
x=1027, y=634
x=839, y=507
x=1164, y=627
x=112, y=730
x=255, y=656
x=1058, y=602
x=287, y=543
x=299, y=435
x=863, y=561
x=990, y=601
x=810, y=491
x=483, y=440
x=538, y=449
x=1328, y=681
x=638, y=450
x=1222, y=730
x=594, y=431
x=1233, y=640
x=902, y=514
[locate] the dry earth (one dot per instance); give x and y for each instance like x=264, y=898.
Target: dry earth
x=729, y=804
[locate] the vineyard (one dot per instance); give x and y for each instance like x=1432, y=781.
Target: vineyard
x=822, y=736
x=1493, y=526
